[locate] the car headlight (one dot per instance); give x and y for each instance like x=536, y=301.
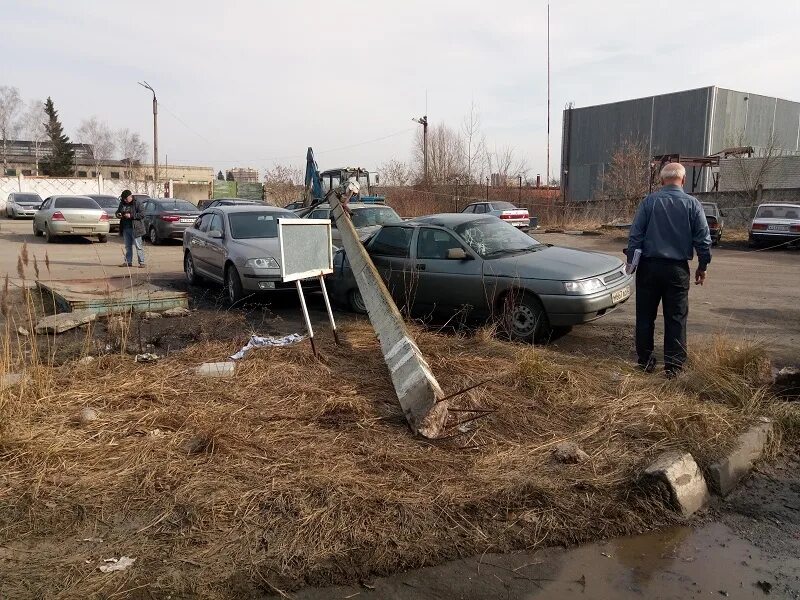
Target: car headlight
x=585, y=286
x=262, y=263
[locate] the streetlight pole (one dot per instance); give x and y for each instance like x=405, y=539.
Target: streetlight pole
x=155, y=132
x=423, y=120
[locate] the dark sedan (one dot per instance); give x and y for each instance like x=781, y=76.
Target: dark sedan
x=480, y=266
x=167, y=218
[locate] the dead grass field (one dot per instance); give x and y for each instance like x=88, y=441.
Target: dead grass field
x=303, y=472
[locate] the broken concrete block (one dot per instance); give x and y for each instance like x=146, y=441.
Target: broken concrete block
x=218, y=369
x=86, y=360
x=23, y=332
x=569, y=453
x=62, y=322
x=726, y=473
x=149, y=315
x=683, y=480
x=87, y=415
x=178, y=311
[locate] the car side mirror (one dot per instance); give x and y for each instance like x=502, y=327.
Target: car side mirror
x=457, y=254
x=215, y=234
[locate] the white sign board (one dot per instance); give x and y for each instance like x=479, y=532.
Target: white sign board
x=306, y=249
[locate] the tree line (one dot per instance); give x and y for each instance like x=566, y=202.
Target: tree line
x=38, y=122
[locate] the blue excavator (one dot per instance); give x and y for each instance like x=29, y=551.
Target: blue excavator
x=319, y=184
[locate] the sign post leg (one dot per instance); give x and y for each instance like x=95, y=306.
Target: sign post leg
x=330, y=312
x=306, y=317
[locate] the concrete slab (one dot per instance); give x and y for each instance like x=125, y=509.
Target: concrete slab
x=725, y=474
x=61, y=322
x=112, y=295
x=679, y=473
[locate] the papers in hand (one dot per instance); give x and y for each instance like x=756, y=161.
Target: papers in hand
x=631, y=266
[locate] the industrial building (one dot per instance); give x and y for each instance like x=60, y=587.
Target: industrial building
x=691, y=123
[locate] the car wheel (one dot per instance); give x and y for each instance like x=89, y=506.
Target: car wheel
x=102, y=238
x=48, y=237
x=233, y=285
x=356, y=302
x=525, y=318
x=36, y=231
x=753, y=243
x=153, y=235
x=192, y=278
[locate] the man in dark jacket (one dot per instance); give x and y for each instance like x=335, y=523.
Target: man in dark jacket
x=130, y=223
x=668, y=227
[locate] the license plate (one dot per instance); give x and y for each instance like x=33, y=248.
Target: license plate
x=620, y=295
x=189, y=220
x=778, y=227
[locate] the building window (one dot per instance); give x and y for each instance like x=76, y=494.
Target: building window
x=148, y=178
x=94, y=173
x=27, y=172
x=114, y=174
x=11, y=172
x=82, y=174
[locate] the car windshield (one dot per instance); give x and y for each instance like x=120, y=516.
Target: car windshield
x=75, y=203
x=778, y=212
x=249, y=225
x=177, y=206
x=372, y=216
x=107, y=201
x=492, y=238
x=27, y=199
x=503, y=206
x=710, y=210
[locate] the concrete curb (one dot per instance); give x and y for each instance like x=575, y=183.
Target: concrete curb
x=677, y=474
x=726, y=473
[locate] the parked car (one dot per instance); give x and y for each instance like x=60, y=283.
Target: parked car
x=716, y=223
x=484, y=267
x=70, y=215
x=110, y=204
x=232, y=202
x=167, y=218
x=367, y=219
x=775, y=224
x=22, y=204
x=236, y=246
x=518, y=217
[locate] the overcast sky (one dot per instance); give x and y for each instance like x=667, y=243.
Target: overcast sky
x=251, y=83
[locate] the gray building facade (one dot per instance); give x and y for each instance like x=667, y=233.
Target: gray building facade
x=696, y=122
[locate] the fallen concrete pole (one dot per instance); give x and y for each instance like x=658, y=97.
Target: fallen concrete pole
x=417, y=389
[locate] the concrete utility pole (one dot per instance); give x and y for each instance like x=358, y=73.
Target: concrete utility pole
x=548, y=95
x=423, y=120
x=155, y=132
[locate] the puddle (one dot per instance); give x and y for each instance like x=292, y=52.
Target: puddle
x=706, y=562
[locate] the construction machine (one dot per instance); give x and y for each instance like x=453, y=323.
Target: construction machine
x=319, y=184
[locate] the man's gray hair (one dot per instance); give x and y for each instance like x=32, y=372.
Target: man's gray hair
x=673, y=171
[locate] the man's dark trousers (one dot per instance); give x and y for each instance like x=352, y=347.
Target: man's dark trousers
x=661, y=280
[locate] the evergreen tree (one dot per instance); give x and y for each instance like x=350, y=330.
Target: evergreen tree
x=61, y=161
x=229, y=176
x=220, y=176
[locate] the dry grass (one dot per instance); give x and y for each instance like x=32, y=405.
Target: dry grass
x=303, y=472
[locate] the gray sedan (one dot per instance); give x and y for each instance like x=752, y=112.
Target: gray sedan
x=236, y=246
x=367, y=219
x=71, y=215
x=482, y=267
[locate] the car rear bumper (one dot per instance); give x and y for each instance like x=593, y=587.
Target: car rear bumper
x=66, y=228
x=565, y=310
x=172, y=231
x=521, y=223
x=775, y=238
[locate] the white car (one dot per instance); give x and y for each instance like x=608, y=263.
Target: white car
x=518, y=217
x=775, y=224
x=22, y=204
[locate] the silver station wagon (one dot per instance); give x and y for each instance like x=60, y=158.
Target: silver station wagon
x=480, y=266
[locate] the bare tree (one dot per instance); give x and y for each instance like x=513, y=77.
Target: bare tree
x=749, y=169
x=33, y=127
x=475, y=145
x=283, y=184
x=97, y=134
x=626, y=180
x=509, y=164
x=445, y=154
x=131, y=149
x=10, y=106
x=395, y=172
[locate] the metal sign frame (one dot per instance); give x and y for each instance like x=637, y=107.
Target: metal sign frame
x=313, y=272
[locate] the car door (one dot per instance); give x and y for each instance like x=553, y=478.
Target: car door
x=215, y=246
x=198, y=246
x=390, y=250
x=41, y=215
x=443, y=283
x=148, y=215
